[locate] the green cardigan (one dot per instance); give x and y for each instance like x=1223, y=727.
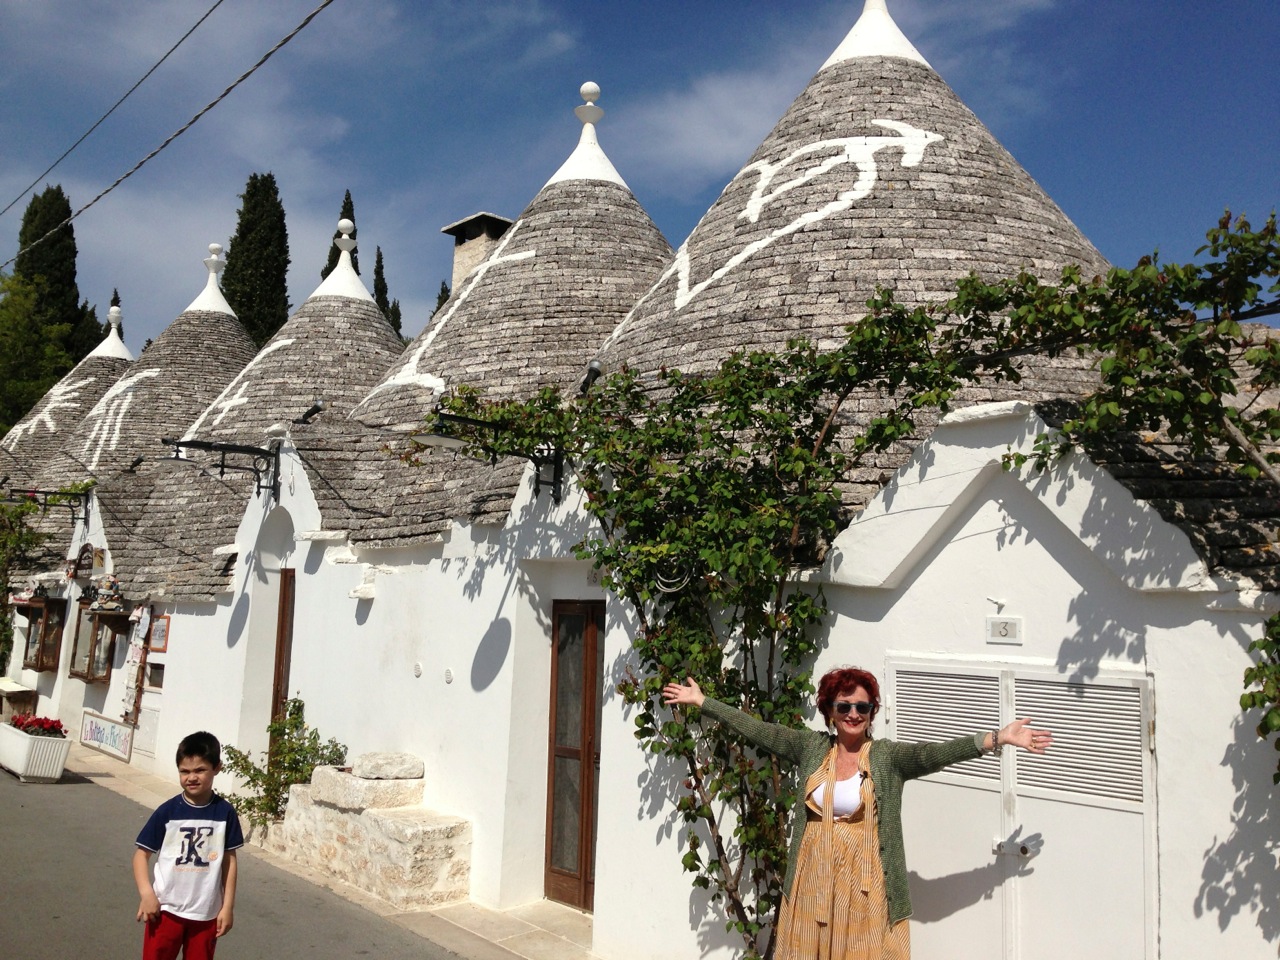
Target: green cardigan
x=892, y=764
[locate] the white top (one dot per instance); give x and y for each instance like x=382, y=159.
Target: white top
x=211, y=298
x=848, y=796
x=343, y=281
x=112, y=345
x=588, y=161
x=875, y=35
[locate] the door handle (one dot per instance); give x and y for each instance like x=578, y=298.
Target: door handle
x=1010, y=848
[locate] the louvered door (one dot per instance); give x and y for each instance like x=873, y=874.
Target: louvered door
x=1026, y=857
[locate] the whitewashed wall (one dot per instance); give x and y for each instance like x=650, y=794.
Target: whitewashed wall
x=1101, y=582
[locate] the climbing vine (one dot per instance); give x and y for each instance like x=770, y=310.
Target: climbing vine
x=715, y=495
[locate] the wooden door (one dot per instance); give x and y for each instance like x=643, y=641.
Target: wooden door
x=577, y=682
x=284, y=645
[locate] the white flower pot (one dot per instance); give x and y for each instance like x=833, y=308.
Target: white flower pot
x=33, y=759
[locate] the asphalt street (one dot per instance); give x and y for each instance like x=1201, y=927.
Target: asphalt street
x=66, y=890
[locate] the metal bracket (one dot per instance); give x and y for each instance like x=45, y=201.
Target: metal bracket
x=77, y=503
x=264, y=462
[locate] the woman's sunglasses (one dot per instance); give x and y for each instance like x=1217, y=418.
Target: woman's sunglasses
x=844, y=706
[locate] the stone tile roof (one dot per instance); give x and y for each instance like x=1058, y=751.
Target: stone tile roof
x=159, y=395
x=876, y=175
x=34, y=439
x=333, y=347
x=163, y=391
x=530, y=316
x=536, y=310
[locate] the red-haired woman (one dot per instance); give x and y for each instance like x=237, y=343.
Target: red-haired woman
x=845, y=895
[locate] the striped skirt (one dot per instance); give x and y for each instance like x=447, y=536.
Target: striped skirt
x=857, y=925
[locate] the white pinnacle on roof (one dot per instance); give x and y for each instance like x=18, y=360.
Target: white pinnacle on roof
x=112, y=345
x=343, y=281
x=211, y=298
x=588, y=161
x=875, y=35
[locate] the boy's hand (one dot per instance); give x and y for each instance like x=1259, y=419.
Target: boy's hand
x=225, y=921
x=149, y=908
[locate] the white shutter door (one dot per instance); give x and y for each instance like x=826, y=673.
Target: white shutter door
x=1099, y=738
x=931, y=707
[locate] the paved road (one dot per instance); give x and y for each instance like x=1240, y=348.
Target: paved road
x=66, y=891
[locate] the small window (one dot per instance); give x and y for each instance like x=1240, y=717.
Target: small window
x=155, y=676
x=44, y=634
x=95, y=644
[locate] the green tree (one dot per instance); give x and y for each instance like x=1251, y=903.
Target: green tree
x=442, y=297
x=716, y=495
x=17, y=540
x=390, y=309
x=255, y=280
x=48, y=255
x=32, y=355
x=348, y=212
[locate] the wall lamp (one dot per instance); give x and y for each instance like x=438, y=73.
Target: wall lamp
x=264, y=463
x=548, y=467
x=316, y=408
x=595, y=370
x=77, y=503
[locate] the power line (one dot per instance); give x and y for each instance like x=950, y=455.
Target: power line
x=22, y=193
x=181, y=130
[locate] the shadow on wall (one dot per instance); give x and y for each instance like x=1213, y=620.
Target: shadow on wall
x=1239, y=874
x=491, y=654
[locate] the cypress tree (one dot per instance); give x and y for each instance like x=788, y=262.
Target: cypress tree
x=255, y=281
x=380, y=284
x=51, y=266
x=441, y=297
x=390, y=309
x=348, y=212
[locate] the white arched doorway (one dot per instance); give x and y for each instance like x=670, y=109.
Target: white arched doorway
x=269, y=635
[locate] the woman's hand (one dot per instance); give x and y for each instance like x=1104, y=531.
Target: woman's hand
x=687, y=694
x=1018, y=734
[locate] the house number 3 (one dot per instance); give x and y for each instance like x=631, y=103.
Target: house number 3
x=1004, y=630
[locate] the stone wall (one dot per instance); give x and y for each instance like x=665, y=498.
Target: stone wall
x=366, y=827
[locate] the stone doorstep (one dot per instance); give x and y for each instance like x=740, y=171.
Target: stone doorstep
x=409, y=857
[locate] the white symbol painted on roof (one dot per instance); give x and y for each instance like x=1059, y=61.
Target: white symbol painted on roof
x=62, y=396
x=859, y=151
x=108, y=415
x=227, y=401
x=408, y=375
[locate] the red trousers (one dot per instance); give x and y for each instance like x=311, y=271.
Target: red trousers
x=164, y=938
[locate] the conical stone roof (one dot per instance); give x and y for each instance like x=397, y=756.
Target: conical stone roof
x=162, y=392
x=876, y=174
x=159, y=395
x=534, y=312
x=35, y=438
x=334, y=347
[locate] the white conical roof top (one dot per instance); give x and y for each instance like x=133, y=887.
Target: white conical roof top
x=875, y=35
x=588, y=161
x=343, y=281
x=112, y=345
x=211, y=299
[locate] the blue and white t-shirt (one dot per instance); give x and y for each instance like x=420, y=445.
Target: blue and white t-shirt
x=191, y=843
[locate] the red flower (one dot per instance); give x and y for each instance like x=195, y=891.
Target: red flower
x=38, y=726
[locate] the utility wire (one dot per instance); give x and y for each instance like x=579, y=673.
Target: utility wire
x=183, y=129
x=22, y=193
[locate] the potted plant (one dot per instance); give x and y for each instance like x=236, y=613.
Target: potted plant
x=35, y=748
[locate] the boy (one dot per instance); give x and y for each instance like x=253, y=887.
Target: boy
x=196, y=835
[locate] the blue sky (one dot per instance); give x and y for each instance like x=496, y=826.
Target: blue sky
x=1142, y=119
